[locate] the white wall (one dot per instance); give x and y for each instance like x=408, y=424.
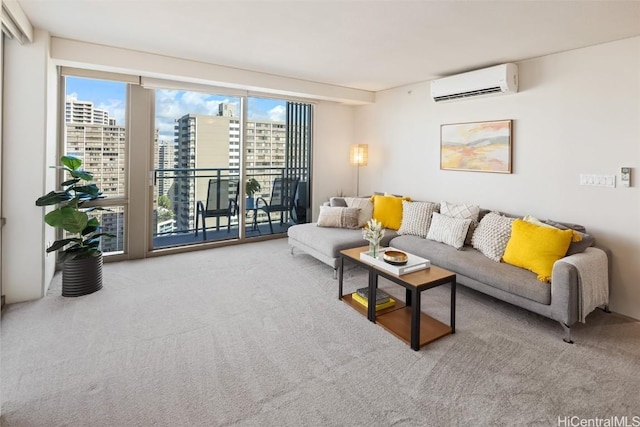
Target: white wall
x=576, y=112
x=28, y=144
x=332, y=173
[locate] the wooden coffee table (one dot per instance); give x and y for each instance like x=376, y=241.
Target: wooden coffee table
x=404, y=320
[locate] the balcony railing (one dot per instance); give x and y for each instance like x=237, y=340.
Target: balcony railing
x=184, y=187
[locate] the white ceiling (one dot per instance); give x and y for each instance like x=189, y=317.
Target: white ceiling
x=369, y=45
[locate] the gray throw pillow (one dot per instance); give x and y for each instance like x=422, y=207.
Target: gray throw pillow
x=337, y=202
x=575, y=247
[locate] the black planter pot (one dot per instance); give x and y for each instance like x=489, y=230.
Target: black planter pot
x=81, y=277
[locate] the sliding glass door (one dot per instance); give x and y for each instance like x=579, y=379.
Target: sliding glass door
x=227, y=168
x=277, y=155
x=196, y=168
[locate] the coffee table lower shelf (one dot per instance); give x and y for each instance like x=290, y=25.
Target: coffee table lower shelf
x=397, y=321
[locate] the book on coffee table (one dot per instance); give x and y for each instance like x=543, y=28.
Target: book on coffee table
x=363, y=301
x=381, y=296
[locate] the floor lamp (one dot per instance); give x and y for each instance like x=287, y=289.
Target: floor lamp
x=358, y=156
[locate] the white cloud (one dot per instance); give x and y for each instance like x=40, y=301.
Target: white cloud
x=173, y=104
x=277, y=113
x=116, y=109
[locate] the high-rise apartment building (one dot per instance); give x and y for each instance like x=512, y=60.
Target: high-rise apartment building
x=84, y=112
x=265, y=147
x=203, y=144
x=164, y=161
x=93, y=136
x=211, y=146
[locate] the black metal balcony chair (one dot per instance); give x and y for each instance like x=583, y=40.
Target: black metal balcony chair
x=283, y=196
x=222, y=201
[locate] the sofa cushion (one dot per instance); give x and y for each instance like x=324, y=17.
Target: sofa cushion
x=330, y=241
x=471, y=263
x=338, y=217
x=446, y=229
x=387, y=210
x=416, y=217
x=491, y=235
x=536, y=248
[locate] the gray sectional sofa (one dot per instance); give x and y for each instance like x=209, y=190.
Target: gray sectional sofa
x=558, y=300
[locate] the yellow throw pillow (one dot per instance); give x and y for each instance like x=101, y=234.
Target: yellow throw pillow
x=387, y=210
x=536, y=248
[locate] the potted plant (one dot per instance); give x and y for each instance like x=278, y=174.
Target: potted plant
x=79, y=248
x=250, y=188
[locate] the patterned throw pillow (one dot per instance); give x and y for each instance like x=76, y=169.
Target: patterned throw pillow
x=416, y=217
x=339, y=217
x=462, y=211
x=450, y=231
x=492, y=235
x=366, y=208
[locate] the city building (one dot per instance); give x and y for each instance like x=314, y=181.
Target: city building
x=95, y=138
x=211, y=146
x=204, y=144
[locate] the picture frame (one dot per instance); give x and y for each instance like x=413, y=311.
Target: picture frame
x=477, y=146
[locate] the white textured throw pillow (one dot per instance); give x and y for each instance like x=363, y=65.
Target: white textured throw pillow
x=462, y=211
x=492, y=235
x=366, y=208
x=339, y=217
x=416, y=217
x=448, y=230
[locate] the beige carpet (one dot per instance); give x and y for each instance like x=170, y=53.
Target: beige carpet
x=252, y=336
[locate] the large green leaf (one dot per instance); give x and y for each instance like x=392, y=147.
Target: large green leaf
x=71, y=162
x=87, y=176
x=53, y=197
x=79, y=252
x=67, y=218
x=70, y=182
x=92, y=225
x=59, y=244
x=90, y=189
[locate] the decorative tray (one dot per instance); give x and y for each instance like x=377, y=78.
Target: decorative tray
x=414, y=262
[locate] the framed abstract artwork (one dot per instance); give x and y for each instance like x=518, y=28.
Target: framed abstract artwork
x=477, y=146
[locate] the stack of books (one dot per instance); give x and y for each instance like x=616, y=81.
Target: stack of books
x=383, y=300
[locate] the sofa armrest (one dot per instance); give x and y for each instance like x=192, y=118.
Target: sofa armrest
x=564, y=282
x=564, y=292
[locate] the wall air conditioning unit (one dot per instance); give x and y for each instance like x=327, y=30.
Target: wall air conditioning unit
x=497, y=80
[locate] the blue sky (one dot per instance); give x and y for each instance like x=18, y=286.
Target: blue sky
x=170, y=104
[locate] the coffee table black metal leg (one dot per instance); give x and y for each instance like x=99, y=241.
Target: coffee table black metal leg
x=415, y=320
x=373, y=286
x=407, y=297
x=453, y=307
x=340, y=277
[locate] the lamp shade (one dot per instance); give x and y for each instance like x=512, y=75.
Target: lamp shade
x=359, y=154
